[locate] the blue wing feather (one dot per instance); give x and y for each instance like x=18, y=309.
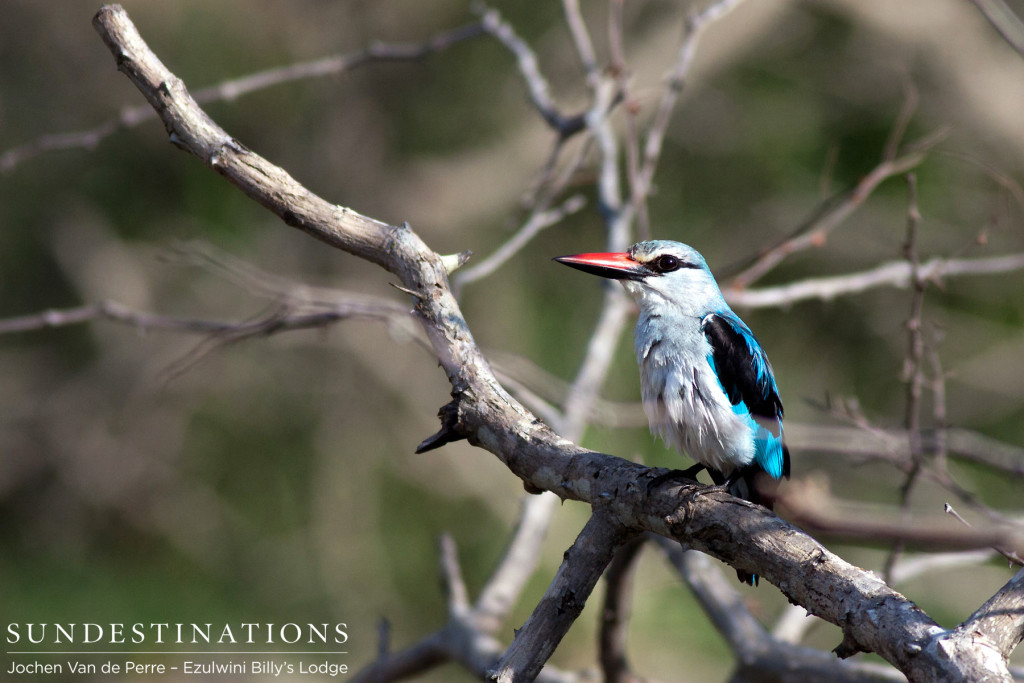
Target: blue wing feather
x=746, y=377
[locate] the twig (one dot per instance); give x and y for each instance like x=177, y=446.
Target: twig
x=893, y=447
x=696, y=24
x=910, y=568
x=600, y=351
x=581, y=39
x=893, y=274
x=545, y=410
x=1008, y=24
x=552, y=179
x=451, y=572
x=619, y=73
x=230, y=90
x=980, y=449
x=939, y=449
x=279, y=321
x=539, y=220
x=1012, y=556
x=537, y=85
x=1000, y=177
x=815, y=230
x=809, y=504
x=424, y=655
x=255, y=280
x=618, y=215
x=913, y=365
x=903, y=118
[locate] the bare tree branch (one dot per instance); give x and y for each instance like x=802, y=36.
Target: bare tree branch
x=912, y=567
x=500, y=593
x=467, y=637
x=583, y=565
x=1001, y=618
x=696, y=24
x=615, y=614
x=809, y=504
x=451, y=572
x=538, y=220
x=1013, y=556
x=540, y=93
x=335, y=65
x=833, y=212
x=1008, y=24
x=913, y=364
x=423, y=656
x=523, y=552
x=277, y=321
x=581, y=39
x=892, y=274
x=760, y=655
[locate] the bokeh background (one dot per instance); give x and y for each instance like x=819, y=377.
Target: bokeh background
x=169, y=477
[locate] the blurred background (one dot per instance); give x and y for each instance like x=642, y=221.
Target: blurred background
x=168, y=477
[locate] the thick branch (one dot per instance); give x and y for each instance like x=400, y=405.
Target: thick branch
x=615, y=614
x=760, y=655
x=521, y=557
x=583, y=565
x=1001, y=619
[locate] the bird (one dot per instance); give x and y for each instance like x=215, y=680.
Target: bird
x=708, y=388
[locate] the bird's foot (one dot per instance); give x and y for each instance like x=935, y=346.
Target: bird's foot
x=710, y=488
x=721, y=484
x=689, y=474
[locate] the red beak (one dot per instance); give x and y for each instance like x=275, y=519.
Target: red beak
x=614, y=266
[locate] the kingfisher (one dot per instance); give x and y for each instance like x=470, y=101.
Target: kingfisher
x=707, y=386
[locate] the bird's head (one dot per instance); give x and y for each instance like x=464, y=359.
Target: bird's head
x=656, y=273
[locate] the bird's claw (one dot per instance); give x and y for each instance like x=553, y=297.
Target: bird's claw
x=710, y=488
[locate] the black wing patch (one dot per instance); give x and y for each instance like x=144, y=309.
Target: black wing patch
x=741, y=365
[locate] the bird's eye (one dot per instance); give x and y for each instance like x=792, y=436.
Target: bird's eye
x=666, y=263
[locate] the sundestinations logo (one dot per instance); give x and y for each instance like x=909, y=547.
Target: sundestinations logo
x=246, y=648
x=179, y=634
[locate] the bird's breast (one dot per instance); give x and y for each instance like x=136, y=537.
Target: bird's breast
x=685, y=403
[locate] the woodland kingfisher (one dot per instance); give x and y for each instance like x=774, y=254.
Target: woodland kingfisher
x=707, y=386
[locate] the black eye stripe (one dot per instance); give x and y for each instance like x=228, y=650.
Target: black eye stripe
x=666, y=263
